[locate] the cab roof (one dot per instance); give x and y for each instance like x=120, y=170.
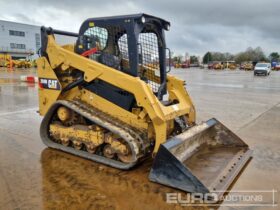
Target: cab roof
x=126, y=19
x=131, y=16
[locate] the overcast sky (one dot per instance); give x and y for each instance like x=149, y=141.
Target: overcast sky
x=197, y=26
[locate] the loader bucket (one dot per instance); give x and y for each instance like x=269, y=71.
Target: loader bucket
x=204, y=159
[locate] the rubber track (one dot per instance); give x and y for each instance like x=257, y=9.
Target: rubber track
x=131, y=136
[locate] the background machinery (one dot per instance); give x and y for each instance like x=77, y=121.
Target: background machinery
x=231, y=65
x=248, y=66
x=218, y=66
x=4, y=59
x=20, y=63
x=102, y=99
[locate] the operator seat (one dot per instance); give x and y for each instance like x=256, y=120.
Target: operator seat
x=110, y=60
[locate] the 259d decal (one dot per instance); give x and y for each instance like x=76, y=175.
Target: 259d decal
x=49, y=83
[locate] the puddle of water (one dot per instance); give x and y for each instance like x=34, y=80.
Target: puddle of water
x=8, y=81
x=71, y=182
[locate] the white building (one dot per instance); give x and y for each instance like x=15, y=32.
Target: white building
x=19, y=40
x=24, y=40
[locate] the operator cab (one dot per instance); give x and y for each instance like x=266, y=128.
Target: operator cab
x=133, y=44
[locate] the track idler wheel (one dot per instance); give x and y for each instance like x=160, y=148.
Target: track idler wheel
x=108, y=152
x=67, y=116
x=65, y=142
x=126, y=156
x=77, y=145
x=91, y=148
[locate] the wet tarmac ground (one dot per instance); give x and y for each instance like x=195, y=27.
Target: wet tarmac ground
x=35, y=177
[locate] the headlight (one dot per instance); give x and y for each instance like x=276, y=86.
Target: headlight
x=143, y=20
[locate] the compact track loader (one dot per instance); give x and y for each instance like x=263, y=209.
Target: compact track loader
x=108, y=98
